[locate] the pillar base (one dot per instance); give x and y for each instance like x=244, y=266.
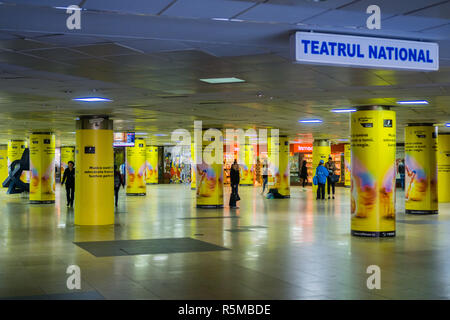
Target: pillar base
x=136, y=194
x=42, y=202
x=193, y=188
x=421, y=212
x=210, y=206
x=373, y=234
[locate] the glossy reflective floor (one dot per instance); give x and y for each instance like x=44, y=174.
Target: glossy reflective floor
x=279, y=249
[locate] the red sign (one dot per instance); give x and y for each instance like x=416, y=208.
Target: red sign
x=302, y=147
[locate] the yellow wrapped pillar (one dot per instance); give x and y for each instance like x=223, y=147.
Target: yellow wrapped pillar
x=151, y=172
x=443, y=167
x=247, y=170
x=67, y=154
x=193, y=167
x=94, y=175
x=421, y=195
x=3, y=163
x=373, y=143
x=347, y=165
x=15, y=151
x=42, y=167
x=279, y=174
x=321, y=151
x=136, y=166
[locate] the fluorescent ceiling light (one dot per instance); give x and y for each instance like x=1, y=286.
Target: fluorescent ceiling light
x=222, y=80
x=160, y=135
x=140, y=133
x=310, y=121
x=343, y=140
x=343, y=110
x=413, y=102
x=92, y=99
x=447, y=124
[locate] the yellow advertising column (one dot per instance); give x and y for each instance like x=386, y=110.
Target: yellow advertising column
x=321, y=151
x=421, y=195
x=67, y=154
x=247, y=170
x=3, y=163
x=373, y=142
x=278, y=155
x=15, y=151
x=94, y=175
x=151, y=158
x=210, y=176
x=443, y=167
x=42, y=167
x=136, y=166
x=347, y=165
x=193, y=168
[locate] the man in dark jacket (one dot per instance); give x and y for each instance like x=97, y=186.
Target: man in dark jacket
x=69, y=180
x=118, y=181
x=234, y=181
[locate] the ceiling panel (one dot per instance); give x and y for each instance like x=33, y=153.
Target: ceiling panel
x=206, y=8
x=135, y=6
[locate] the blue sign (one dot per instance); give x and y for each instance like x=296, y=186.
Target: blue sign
x=354, y=51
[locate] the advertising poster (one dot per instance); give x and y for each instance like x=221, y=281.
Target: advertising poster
x=279, y=172
x=15, y=151
x=67, y=154
x=347, y=165
x=247, y=170
x=3, y=163
x=373, y=142
x=193, y=171
x=421, y=170
x=42, y=168
x=321, y=151
x=444, y=167
x=209, y=183
x=94, y=177
x=136, y=167
x=151, y=173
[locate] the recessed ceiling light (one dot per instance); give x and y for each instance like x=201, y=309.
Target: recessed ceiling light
x=310, y=121
x=343, y=110
x=413, y=102
x=92, y=99
x=222, y=80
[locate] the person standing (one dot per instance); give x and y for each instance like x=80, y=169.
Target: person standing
x=69, y=180
x=118, y=181
x=234, y=181
x=321, y=176
x=265, y=176
x=401, y=171
x=331, y=167
x=303, y=174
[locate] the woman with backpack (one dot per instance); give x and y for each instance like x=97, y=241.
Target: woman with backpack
x=321, y=179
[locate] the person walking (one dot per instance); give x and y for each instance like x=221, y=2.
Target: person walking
x=118, y=181
x=331, y=167
x=401, y=171
x=321, y=176
x=69, y=180
x=234, y=181
x=265, y=176
x=303, y=174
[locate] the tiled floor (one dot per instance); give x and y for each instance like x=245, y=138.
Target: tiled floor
x=291, y=249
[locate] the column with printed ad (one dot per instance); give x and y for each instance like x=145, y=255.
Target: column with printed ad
x=247, y=169
x=67, y=154
x=42, y=167
x=209, y=177
x=3, y=163
x=278, y=154
x=373, y=143
x=443, y=160
x=321, y=151
x=347, y=165
x=15, y=152
x=193, y=168
x=151, y=158
x=94, y=175
x=136, y=167
x=421, y=195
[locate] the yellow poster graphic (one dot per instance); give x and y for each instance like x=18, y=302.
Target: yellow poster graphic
x=421, y=169
x=3, y=163
x=321, y=151
x=15, y=151
x=42, y=167
x=94, y=177
x=247, y=169
x=136, y=167
x=347, y=165
x=373, y=143
x=209, y=183
x=443, y=160
x=67, y=154
x=151, y=171
x=193, y=168
x=279, y=174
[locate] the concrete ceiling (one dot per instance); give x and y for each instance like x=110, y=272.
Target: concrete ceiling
x=148, y=56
